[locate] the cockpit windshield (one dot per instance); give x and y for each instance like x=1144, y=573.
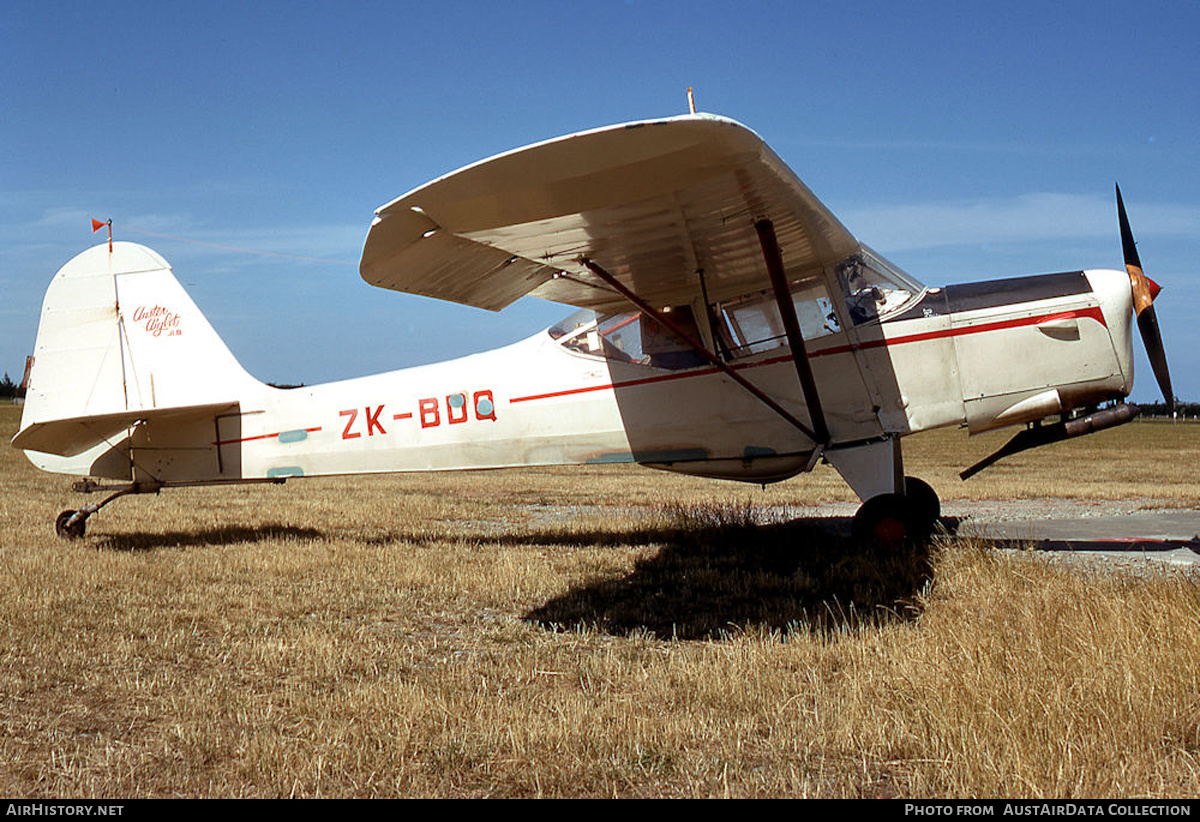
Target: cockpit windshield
x=873, y=287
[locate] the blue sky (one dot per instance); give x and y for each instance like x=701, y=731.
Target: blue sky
x=962, y=140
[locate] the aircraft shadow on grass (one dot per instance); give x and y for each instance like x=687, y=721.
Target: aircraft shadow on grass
x=709, y=582
x=806, y=574
x=226, y=535
x=706, y=580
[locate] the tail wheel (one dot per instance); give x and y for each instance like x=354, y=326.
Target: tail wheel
x=70, y=525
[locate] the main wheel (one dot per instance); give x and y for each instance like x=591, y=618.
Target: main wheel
x=924, y=502
x=887, y=521
x=67, y=529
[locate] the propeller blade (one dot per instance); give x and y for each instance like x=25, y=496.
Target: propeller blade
x=1144, y=292
x=1148, y=325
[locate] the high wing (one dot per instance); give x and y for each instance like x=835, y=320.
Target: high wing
x=653, y=202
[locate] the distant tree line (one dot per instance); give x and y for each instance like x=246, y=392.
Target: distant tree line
x=1190, y=410
x=9, y=389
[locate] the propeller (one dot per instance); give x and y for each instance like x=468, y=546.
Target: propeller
x=1144, y=292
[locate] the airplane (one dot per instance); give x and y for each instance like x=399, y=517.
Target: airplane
x=728, y=326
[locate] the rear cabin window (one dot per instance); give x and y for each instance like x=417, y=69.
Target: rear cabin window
x=630, y=337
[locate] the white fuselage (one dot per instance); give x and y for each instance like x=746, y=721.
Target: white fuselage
x=538, y=403
x=167, y=404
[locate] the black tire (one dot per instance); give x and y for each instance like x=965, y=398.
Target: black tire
x=886, y=521
x=68, y=530
x=924, y=502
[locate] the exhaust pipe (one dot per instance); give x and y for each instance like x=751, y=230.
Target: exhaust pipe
x=1039, y=435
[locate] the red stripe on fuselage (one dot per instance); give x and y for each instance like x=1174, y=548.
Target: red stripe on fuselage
x=1092, y=312
x=263, y=436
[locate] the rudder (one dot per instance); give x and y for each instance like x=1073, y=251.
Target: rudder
x=119, y=338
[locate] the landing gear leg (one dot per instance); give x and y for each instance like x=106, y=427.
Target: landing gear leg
x=72, y=524
x=896, y=508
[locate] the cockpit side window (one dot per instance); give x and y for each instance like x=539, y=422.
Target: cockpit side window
x=751, y=324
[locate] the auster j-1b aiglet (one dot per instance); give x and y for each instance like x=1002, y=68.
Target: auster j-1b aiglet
x=728, y=326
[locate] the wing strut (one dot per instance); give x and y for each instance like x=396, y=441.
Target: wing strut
x=716, y=361
x=791, y=325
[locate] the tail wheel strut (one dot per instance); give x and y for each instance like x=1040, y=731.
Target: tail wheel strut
x=71, y=524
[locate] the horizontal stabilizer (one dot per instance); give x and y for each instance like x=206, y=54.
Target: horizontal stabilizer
x=68, y=437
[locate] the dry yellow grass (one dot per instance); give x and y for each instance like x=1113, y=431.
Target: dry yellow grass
x=530, y=633
x=1150, y=460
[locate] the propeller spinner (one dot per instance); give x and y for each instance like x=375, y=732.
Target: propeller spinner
x=1144, y=292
